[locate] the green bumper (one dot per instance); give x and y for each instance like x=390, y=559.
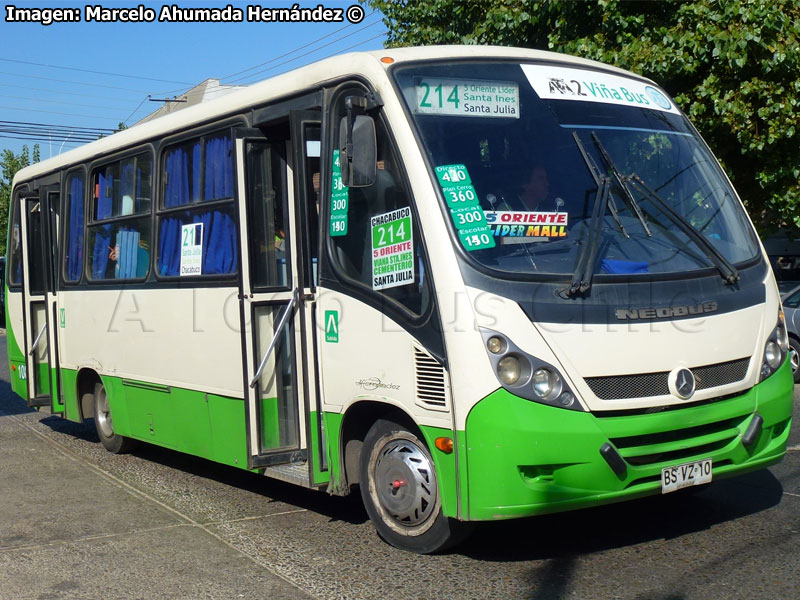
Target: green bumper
x=525, y=458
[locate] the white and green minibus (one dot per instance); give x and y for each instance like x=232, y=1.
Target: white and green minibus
x=477, y=283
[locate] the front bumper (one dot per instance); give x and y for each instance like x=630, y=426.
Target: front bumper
x=525, y=458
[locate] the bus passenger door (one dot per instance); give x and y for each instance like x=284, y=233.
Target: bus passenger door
x=269, y=303
x=39, y=224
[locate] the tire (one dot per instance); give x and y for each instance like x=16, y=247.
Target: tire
x=400, y=491
x=794, y=358
x=112, y=442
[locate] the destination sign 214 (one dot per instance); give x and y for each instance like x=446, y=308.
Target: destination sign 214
x=467, y=98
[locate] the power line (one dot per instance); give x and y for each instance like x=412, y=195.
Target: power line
x=51, y=112
x=71, y=127
x=34, y=89
x=296, y=49
x=45, y=132
x=25, y=62
x=315, y=50
x=63, y=102
x=365, y=26
x=112, y=87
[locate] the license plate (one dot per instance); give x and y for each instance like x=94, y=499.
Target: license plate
x=681, y=476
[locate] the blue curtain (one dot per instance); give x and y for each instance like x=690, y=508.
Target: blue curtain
x=128, y=242
x=176, y=192
x=102, y=238
x=219, y=169
x=220, y=252
x=75, y=229
x=215, y=173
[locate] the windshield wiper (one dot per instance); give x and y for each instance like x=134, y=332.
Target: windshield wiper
x=612, y=167
x=726, y=269
x=595, y=172
x=582, y=277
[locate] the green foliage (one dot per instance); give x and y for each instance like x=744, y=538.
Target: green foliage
x=732, y=66
x=10, y=163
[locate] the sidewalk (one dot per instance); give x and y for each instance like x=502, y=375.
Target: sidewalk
x=70, y=529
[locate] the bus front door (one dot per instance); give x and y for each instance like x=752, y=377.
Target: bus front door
x=270, y=303
x=39, y=223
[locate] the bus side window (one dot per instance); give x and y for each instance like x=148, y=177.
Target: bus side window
x=197, y=179
x=73, y=248
x=14, y=271
x=119, y=231
x=381, y=222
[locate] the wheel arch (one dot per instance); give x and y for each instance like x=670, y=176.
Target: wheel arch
x=84, y=384
x=357, y=421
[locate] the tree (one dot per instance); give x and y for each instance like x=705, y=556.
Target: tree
x=10, y=163
x=730, y=65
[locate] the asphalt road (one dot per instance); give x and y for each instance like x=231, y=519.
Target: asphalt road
x=78, y=522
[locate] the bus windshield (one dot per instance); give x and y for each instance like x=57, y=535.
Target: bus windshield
x=545, y=167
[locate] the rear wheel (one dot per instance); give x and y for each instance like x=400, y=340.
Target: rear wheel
x=400, y=491
x=105, y=426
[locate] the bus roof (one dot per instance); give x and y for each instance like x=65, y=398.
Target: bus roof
x=285, y=85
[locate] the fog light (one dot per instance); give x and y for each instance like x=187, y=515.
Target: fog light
x=509, y=370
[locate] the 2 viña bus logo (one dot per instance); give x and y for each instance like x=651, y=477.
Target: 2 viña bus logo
x=665, y=312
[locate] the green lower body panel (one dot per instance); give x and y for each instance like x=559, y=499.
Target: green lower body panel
x=525, y=458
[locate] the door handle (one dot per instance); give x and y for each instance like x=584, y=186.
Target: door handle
x=37, y=340
x=288, y=311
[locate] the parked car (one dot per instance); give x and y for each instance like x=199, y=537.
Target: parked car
x=791, y=309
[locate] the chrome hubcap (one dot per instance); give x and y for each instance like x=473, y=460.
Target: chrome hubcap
x=104, y=414
x=405, y=482
x=794, y=359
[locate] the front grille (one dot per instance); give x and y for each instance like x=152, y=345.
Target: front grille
x=646, y=385
x=680, y=444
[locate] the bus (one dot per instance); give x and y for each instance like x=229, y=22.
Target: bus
x=471, y=283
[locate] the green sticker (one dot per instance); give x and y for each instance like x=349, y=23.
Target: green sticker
x=332, y=326
x=468, y=216
x=465, y=209
x=476, y=238
x=461, y=195
x=62, y=317
x=339, y=199
x=452, y=175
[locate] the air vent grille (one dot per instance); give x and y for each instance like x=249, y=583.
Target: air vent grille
x=430, y=380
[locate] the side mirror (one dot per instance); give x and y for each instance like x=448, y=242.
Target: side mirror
x=358, y=151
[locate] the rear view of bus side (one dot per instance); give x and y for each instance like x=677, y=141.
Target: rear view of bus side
x=472, y=283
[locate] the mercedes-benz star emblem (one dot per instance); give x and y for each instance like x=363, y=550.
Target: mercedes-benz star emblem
x=684, y=383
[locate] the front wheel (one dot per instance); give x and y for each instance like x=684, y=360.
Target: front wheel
x=112, y=442
x=400, y=491
x=794, y=358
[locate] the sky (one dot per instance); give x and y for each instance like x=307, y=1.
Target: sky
x=94, y=75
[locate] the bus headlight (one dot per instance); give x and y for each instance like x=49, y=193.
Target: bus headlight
x=527, y=376
x=496, y=344
x=545, y=383
x=509, y=370
x=776, y=349
x=773, y=354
